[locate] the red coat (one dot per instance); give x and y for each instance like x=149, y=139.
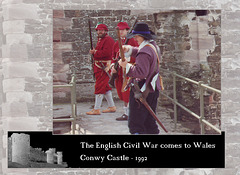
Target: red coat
x=103, y=54
x=124, y=96
x=104, y=51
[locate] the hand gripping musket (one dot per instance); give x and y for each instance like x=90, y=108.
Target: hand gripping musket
x=139, y=96
x=91, y=43
x=116, y=65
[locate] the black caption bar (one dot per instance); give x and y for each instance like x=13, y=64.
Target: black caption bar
x=134, y=151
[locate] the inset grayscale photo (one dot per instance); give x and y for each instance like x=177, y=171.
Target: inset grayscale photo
x=127, y=72
x=35, y=150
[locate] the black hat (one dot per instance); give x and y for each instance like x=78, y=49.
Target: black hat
x=142, y=29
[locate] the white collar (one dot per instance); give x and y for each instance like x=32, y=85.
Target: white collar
x=144, y=43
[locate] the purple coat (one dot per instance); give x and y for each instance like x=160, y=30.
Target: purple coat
x=146, y=60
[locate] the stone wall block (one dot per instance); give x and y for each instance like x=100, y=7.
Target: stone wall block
x=16, y=84
x=61, y=68
x=19, y=26
x=57, y=36
x=60, y=24
x=230, y=49
x=12, y=2
x=66, y=46
x=21, y=123
x=206, y=43
x=20, y=70
x=57, y=57
x=33, y=29
x=15, y=109
x=20, y=11
x=58, y=14
x=198, y=28
x=19, y=39
x=231, y=24
x=37, y=110
x=16, y=52
x=231, y=36
x=203, y=43
x=33, y=1
x=227, y=107
x=19, y=97
x=164, y=3
x=191, y=56
x=60, y=77
x=37, y=53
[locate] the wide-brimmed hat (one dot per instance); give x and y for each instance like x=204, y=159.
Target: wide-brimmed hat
x=123, y=25
x=142, y=29
x=101, y=26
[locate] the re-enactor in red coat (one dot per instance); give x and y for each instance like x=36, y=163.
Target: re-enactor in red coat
x=119, y=82
x=102, y=55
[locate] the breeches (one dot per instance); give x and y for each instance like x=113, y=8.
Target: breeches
x=140, y=120
x=101, y=84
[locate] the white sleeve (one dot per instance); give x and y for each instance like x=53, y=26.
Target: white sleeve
x=129, y=53
x=128, y=67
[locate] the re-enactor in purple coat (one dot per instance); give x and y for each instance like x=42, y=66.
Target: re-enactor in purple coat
x=145, y=71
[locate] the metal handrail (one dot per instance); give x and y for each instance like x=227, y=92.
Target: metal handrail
x=201, y=87
x=72, y=86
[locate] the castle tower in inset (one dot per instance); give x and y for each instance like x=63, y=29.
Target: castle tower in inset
x=50, y=156
x=59, y=158
x=20, y=148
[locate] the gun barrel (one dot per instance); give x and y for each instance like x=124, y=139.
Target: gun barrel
x=120, y=45
x=90, y=33
x=130, y=31
x=91, y=43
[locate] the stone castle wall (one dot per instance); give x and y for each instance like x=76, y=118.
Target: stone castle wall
x=37, y=155
x=191, y=46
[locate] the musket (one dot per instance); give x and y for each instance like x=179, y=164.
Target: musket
x=130, y=31
x=120, y=45
x=116, y=65
x=138, y=95
x=144, y=102
x=122, y=57
x=91, y=43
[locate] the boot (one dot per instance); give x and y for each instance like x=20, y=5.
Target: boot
x=94, y=112
x=123, y=117
x=110, y=109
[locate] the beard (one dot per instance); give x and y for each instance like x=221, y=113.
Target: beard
x=102, y=35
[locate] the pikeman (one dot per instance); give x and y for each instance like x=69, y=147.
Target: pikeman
x=102, y=55
x=119, y=82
